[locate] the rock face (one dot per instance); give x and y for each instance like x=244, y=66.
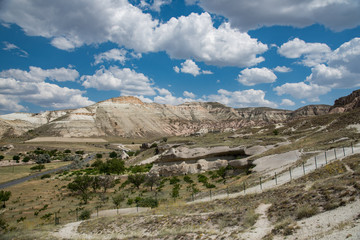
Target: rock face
x=347, y=103
x=311, y=110
x=182, y=153
x=187, y=168
x=130, y=117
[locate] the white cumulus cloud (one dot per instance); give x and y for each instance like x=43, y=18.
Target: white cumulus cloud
x=125, y=80
x=36, y=74
x=189, y=94
x=301, y=90
x=341, y=70
x=253, y=76
x=111, y=55
x=287, y=102
x=239, y=99
x=312, y=53
x=189, y=66
x=71, y=24
x=334, y=14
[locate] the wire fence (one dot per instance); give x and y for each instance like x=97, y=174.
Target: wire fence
x=288, y=175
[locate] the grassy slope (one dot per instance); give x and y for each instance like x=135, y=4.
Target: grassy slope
x=212, y=218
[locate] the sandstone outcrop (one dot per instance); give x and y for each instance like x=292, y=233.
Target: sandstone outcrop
x=183, y=153
x=184, y=168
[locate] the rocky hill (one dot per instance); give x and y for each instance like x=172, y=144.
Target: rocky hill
x=347, y=103
x=130, y=117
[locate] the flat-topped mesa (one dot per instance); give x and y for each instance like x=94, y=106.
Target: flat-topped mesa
x=125, y=99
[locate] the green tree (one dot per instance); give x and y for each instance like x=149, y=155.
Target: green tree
x=117, y=200
x=16, y=157
x=221, y=172
x=1, y=157
x=38, y=167
x=26, y=159
x=81, y=186
x=67, y=151
x=136, y=179
x=95, y=183
x=151, y=180
x=99, y=155
x=4, y=196
x=116, y=166
x=106, y=182
x=113, y=155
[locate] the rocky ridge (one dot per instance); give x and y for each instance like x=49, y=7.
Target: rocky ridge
x=130, y=117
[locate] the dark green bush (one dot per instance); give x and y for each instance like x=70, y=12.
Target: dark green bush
x=45, y=176
x=84, y=215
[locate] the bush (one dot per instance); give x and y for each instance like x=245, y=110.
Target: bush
x=174, y=180
x=99, y=155
x=305, y=211
x=188, y=179
x=113, y=155
x=67, y=151
x=26, y=159
x=38, y=167
x=43, y=158
x=202, y=178
x=16, y=157
x=84, y=215
x=1, y=157
x=130, y=201
x=154, y=145
x=79, y=152
x=209, y=185
x=45, y=176
x=147, y=202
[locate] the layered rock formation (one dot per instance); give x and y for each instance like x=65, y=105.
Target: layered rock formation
x=130, y=117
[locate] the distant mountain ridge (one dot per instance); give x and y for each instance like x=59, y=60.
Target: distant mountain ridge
x=130, y=117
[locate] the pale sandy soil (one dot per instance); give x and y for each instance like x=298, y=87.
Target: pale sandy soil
x=340, y=223
x=120, y=211
x=262, y=226
x=65, y=139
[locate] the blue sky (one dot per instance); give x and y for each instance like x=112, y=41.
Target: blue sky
x=264, y=53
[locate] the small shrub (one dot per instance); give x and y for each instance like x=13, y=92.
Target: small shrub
x=113, y=155
x=174, y=180
x=79, y=152
x=202, y=178
x=250, y=218
x=154, y=145
x=45, y=176
x=188, y=179
x=305, y=211
x=99, y=155
x=26, y=159
x=286, y=227
x=67, y=151
x=130, y=201
x=16, y=158
x=1, y=157
x=209, y=185
x=148, y=202
x=84, y=215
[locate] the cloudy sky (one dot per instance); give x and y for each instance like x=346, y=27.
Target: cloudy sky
x=275, y=53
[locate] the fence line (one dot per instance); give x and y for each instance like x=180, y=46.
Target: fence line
x=308, y=166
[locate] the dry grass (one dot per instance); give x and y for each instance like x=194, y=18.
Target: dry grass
x=14, y=172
